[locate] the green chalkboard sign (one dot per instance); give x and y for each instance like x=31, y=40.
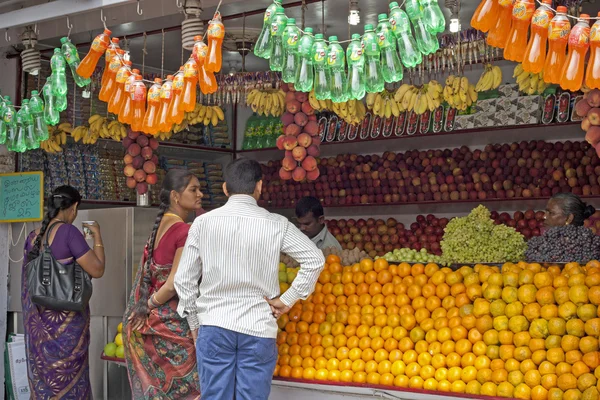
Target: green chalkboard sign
x=21, y=197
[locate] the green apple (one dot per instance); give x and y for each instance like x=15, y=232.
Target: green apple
x=110, y=349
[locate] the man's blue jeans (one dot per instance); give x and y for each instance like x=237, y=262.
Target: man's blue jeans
x=233, y=364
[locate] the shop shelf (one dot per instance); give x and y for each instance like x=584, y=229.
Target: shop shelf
x=196, y=147
x=119, y=361
x=468, y=137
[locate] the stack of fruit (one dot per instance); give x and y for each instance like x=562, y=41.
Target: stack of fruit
x=522, y=332
x=528, y=223
x=528, y=82
x=412, y=256
x=564, y=244
x=266, y=102
x=140, y=161
x=490, y=79
x=57, y=137
x=417, y=99
x=459, y=93
x=286, y=276
x=115, y=348
x=300, y=139
x=351, y=111
x=589, y=109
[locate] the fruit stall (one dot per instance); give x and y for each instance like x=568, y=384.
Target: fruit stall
x=432, y=132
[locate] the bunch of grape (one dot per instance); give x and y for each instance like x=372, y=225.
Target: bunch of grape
x=476, y=238
x=412, y=256
x=564, y=244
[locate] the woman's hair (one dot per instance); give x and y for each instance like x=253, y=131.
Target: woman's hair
x=572, y=204
x=177, y=180
x=62, y=198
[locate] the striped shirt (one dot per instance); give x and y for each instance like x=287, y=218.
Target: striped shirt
x=235, y=249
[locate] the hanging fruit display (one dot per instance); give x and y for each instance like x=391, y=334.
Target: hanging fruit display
x=459, y=93
x=418, y=99
x=351, y=111
x=490, y=79
x=589, y=109
x=140, y=161
x=57, y=138
x=528, y=82
x=266, y=102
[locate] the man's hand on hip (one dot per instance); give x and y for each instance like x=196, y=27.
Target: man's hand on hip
x=278, y=308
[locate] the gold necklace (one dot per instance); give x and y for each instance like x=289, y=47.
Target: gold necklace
x=172, y=215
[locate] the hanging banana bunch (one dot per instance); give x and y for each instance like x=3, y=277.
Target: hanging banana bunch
x=490, y=79
x=351, y=111
x=266, y=102
x=418, y=99
x=459, y=93
x=529, y=83
x=57, y=137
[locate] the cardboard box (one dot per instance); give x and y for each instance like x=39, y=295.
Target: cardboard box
x=505, y=118
x=464, y=122
x=507, y=104
x=529, y=110
x=509, y=90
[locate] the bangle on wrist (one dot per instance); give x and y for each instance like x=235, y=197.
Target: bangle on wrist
x=153, y=302
x=99, y=245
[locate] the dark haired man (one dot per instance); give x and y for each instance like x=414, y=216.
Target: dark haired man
x=311, y=219
x=228, y=287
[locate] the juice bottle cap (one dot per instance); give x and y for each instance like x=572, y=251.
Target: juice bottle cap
x=584, y=16
x=197, y=38
x=107, y=32
x=64, y=40
x=136, y=71
x=599, y=13
x=548, y=2
x=355, y=36
x=393, y=5
x=169, y=77
x=333, y=38
x=280, y=10
x=34, y=92
x=25, y=101
x=291, y=21
x=368, y=27
x=561, y=9
x=308, y=30
x=319, y=36
x=381, y=17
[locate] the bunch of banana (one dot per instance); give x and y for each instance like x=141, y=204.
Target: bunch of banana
x=427, y=97
x=266, y=102
x=205, y=114
x=57, y=137
x=490, y=79
x=459, y=93
x=351, y=111
x=529, y=83
x=382, y=104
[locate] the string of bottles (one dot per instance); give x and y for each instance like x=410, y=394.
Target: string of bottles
x=309, y=61
x=554, y=48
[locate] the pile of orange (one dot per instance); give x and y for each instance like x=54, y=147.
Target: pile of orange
x=527, y=331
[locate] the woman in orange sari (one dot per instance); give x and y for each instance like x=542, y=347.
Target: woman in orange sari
x=159, y=346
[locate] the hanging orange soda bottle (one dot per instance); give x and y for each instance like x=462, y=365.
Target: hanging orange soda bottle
x=138, y=103
x=126, y=111
x=579, y=44
x=108, y=55
x=216, y=33
x=514, y=49
x=190, y=82
x=150, y=124
x=199, y=52
x=166, y=94
x=485, y=15
x=99, y=45
x=114, y=106
x=558, y=36
x=110, y=85
x=498, y=34
x=592, y=74
x=175, y=116
x=208, y=82
x=535, y=53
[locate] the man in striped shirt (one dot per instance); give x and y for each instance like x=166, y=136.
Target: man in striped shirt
x=228, y=287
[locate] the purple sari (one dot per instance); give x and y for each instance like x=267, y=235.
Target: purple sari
x=57, y=341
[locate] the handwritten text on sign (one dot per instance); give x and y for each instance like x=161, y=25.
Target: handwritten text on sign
x=21, y=197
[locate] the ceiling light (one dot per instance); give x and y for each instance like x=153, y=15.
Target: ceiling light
x=354, y=14
x=454, y=25
x=232, y=70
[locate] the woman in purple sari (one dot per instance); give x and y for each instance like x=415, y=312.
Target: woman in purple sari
x=57, y=341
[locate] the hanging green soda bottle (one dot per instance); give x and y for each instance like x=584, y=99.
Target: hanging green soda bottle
x=51, y=115
x=277, y=27
x=322, y=73
x=433, y=17
x=9, y=119
x=60, y=103
x=426, y=43
x=304, y=79
x=263, y=45
x=31, y=141
x=21, y=144
x=356, y=69
x=2, y=123
x=391, y=68
x=59, y=79
x=291, y=42
x=69, y=52
x=373, y=77
x=336, y=61
x=36, y=106
x=407, y=46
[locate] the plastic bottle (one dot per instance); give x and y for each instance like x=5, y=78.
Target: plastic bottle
x=216, y=33
x=69, y=52
x=138, y=103
x=391, y=68
x=89, y=62
x=25, y=129
x=208, y=82
x=558, y=36
x=51, y=114
x=108, y=56
x=535, y=53
x=426, y=42
x=336, y=62
x=176, y=116
x=263, y=45
x=9, y=118
x=108, y=87
x=166, y=92
x=305, y=75
x=60, y=103
x=2, y=124
x=59, y=80
x=407, y=46
x=199, y=52
x=190, y=82
x=592, y=74
x=322, y=73
x=291, y=40
x=115, y=103
x=126, y=110
x=356, y=69
x=277, y=27
x=151, y=118
x=373, y=77
x=516, y=43
x=433, y=17
x=485, y=15
x=579, y=44
x=36, y=106
x=499, y=33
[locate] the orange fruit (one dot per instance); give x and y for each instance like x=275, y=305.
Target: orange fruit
x=567, y=381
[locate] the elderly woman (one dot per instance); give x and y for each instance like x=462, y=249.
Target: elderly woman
x=567, y=209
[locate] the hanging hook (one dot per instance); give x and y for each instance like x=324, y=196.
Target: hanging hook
x=103, y=18
x=69, y=26
x=178, y=4
x=6, y=37
x=139, y=9
x=35, y=29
